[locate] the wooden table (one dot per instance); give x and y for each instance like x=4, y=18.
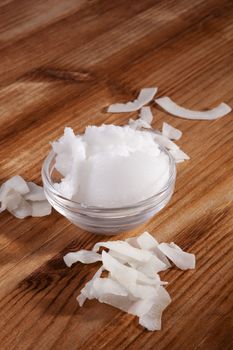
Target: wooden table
x=61, y=63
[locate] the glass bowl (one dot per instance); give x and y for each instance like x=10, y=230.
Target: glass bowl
x=107, y=221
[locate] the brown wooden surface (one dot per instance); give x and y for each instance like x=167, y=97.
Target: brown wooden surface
x=61, y=63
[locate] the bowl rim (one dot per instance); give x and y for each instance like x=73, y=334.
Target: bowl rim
x=49, y=186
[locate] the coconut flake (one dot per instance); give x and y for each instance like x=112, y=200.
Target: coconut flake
x=142, y=306
x=150, y=268
x=147, y=242
x=152, y=319
x=108, y=286
x=139, y=124
x=145, y=120
x=120, y=302
x=144, y=97
x=165, y=142
x=11, y=201
x=36, y=193
x=23, y=199
x=86, y=291
x=16, y=183
x=83, y=256
x=170, y=132
x=146, y=114
x=152, y=281
x=131, y=279
x=81, y=298
x=180, y=258
x=123, y=274
x=120, y=257
x=10, y=188
x=127, y=275
x=125, y=249
x=98, y=287
x=40, y=208
x=136, y=307
x=127, y=287
x=23, y=210
x=171, y=107
x=179, y=155
x=174, y=150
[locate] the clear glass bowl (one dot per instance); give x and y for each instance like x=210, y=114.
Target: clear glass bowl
x=107, y=221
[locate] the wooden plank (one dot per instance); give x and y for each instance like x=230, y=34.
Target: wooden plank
x=62, y=67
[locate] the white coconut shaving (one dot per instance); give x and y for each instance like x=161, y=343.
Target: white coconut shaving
x=124, y=248
x=146, y=114
x=138, y=284
x=170, y=132
x=147, y=242
x=145, y=96
x=23, y=210
x=40, y=208
x=138, y=124
x=36, y=193
x=165, y=140
x=83, y=256
x=132, y=284
x=112, y=263
x=108, y=286
x=11, y=192
x=180, y=258
x=145, y=120
x=171, y=107
x=153, y=318
x=87, y=291
x=151, y=267
x=23, y=198
x=10, y=201
x=179, y=155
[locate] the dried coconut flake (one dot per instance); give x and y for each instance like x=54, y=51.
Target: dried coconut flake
x=23, y=210
x=179, y=155
x=85, y=292
x=148, y=242
x=134, y=281
x=180, y=258
x=165, y=142
x=175, y=151
x=171, y=107
x=23, y=198
x=132, y=284
x=144, y=121
x=144, y=97
x=40, y=208
x=125, y=249
x=83, y=256
x=152, y=319
x=36, y=193
x=146, y=114
x=14, y=187
x=170, y=132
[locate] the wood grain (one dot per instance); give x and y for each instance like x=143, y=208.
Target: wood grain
x=62, y=63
